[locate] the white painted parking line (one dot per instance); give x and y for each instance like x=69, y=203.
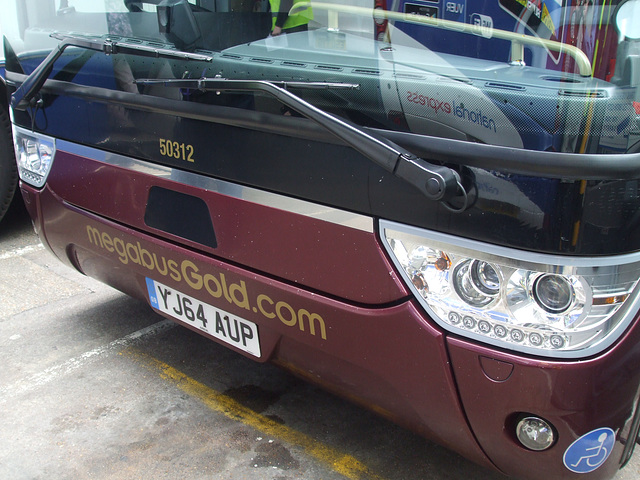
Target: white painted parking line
x=19, y=252
x=52, y=373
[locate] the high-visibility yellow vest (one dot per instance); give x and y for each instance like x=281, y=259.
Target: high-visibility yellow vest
x=295, y=20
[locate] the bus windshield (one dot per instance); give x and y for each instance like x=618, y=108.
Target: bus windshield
x=546, y=75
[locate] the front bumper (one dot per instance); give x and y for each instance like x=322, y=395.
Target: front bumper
x=384, y=352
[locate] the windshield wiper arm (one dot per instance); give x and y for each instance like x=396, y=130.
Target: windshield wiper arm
x=436, y=182
x=23, y=96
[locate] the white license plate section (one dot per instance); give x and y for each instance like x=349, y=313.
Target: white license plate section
x=225, y=326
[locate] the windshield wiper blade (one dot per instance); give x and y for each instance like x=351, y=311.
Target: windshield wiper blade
x=315, y=85
x=436, y=182
x=23, y=96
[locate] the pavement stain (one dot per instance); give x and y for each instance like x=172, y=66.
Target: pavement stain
x=336, y=460
x=65, y=423
x=105, y=411
x=273, y=454
x=256, y=398
x=239, y=440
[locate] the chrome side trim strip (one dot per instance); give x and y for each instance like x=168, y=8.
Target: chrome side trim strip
x=250, y=194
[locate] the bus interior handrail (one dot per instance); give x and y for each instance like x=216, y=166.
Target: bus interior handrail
x=518, y=40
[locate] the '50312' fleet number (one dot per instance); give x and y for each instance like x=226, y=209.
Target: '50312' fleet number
x=177, y=150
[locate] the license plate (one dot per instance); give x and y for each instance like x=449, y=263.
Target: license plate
x=224, y=326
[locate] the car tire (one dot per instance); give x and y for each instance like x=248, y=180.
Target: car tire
x=8, y=169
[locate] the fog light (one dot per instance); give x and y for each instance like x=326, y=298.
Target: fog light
x=535, y=433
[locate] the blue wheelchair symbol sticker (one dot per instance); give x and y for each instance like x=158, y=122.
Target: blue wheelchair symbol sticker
x=590, y=451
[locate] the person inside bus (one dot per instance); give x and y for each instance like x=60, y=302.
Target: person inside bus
x=282, y=22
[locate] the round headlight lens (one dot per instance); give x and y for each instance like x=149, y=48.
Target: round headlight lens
x=485, y=278
x=466, y=287
x=553, y=293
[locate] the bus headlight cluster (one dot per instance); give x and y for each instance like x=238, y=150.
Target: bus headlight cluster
x=34, y=156
x=548, y=305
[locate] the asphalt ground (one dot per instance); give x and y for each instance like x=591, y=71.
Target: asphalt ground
x=94, y=385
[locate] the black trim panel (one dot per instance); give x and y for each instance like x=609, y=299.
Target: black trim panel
x=180, y=214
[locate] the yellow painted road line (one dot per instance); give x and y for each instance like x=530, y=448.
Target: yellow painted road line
x=338, y=461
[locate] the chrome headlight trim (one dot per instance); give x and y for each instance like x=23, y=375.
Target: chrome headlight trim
x=603, y=291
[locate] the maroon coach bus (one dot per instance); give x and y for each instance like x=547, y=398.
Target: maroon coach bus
x=440, y=221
